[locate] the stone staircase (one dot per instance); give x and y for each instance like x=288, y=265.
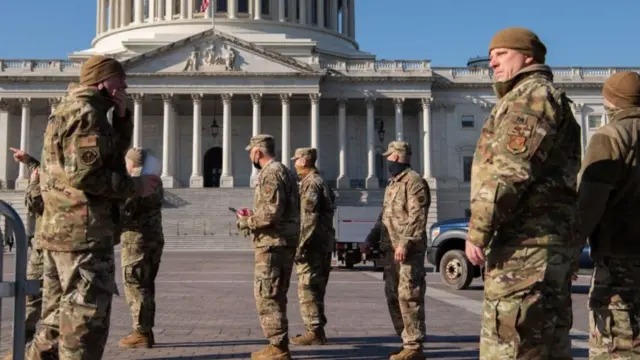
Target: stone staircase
x=200, y=220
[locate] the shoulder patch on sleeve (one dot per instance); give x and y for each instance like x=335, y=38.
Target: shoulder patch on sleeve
x=88, y=156
x=87, y=141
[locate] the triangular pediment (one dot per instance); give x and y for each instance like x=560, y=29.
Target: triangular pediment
x=215, y=52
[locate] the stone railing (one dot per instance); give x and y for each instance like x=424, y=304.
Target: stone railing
x=578, y=74
x=38, y=67
x=378, y=65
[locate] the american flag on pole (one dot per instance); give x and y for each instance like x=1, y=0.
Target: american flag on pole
x=204, y=6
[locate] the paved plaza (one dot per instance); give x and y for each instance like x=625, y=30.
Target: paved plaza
x=205, y=310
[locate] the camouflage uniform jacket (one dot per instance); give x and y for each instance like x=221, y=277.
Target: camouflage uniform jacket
x=403, y=219
x=523, y=177
x=33, y=201
x=609, y=190
x=144, y=215
x=82, y=172
x=317, y=207
x=276, y=215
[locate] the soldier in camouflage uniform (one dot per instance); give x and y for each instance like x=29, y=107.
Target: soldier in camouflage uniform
x=81, y=172
x=142, y=242
x=609, y=199
x=523, y=205
x=317, y=239
x=401, y=231
x=274, y=225
x=35, y=208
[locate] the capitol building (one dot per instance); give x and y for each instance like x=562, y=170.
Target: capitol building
x=201, y=83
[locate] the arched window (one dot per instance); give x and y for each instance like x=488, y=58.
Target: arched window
x=243, y=6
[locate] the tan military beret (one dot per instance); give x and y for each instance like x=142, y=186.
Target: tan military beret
x=137, y=156
x=99, y=68
x=402, y=148
x=623, y=89
x=521, y=40
x=261, y=140
x=307, y=152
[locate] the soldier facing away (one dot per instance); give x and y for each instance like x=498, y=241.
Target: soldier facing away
x=35, y=266
x=142, y=243
x=609, y=199
x=317, y=239
x=81, y=172
x=401, y=231
x=523, y=205
x=274, y=225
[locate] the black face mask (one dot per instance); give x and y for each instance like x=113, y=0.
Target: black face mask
x=396, y=168
x=257, y=165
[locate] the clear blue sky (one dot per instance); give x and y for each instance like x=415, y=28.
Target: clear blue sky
x=447, y=32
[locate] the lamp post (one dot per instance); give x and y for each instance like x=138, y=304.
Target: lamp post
x=214, y=128
x=380, y=129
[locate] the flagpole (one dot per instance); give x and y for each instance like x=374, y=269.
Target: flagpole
x=212, y=5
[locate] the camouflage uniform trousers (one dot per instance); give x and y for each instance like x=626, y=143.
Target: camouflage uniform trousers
x=76, y=299
x=405, y=287
x=614, y=309
x=35, y=269
x=313, y=275
x=140, y=265
x=273, y=268
x=526, y=298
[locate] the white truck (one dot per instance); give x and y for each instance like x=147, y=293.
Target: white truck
x=352, y=225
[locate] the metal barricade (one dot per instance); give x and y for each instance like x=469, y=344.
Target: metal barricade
x=20, y=287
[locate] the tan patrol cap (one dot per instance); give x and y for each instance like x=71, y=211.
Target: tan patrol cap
x=137, y=156
x=261, y=140
x=402, y=148
x=308, y=152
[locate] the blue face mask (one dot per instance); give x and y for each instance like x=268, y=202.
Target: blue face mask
x=396, y=168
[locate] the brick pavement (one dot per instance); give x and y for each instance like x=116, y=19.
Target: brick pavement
x=205, y=310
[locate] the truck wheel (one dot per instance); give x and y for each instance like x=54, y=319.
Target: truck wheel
x=456, y=270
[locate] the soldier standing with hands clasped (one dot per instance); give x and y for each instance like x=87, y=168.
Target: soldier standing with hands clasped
x=274, y=225
x=523, y=205
x=317, y=239
x=81, y=173
x=609, y=199
x=401, y=230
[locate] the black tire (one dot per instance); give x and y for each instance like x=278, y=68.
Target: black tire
x=456, y=270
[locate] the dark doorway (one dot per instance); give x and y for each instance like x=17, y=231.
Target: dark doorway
x=212, y=167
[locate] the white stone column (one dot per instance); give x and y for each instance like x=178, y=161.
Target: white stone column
x=345, y=18
x=343, y=179
x=333, y=15
x=137, y=119
x=7, y=179
x=183, y=9
x=168, y=180
x=138, y=16
x=25, y=133
x=399, y=135
x=151, y=16
x=168, y=7
x=232, y=9
x=315, y=124
x=286, y=129
x=293, y=10
x=257, y=10
x=320, y=16
x=123, y=13
x=352, y=19
x=584, y=127
x=372, y=180
x=426, y=137
x=281, y=14
x=196, y=180
x=112, y=14
x=161, y=10
x=98, y=17
x=304, y=5
x=226, y=178
x=256, y=100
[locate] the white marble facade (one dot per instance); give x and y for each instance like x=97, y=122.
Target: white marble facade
x=299, y=76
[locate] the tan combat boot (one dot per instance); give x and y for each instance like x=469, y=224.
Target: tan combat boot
x=408, y=354
x=272, y=352
x=310, y=338
x=137, y=340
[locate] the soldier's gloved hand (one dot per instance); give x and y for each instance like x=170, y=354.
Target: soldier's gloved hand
x=243, y=225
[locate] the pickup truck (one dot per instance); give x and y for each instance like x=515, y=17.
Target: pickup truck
x=445, y=251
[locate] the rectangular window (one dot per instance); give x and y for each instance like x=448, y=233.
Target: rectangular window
x=467, y=121
x=266, y=7
x=222, y=6
x=594, y=121
x=467, y=161
x=243, y=6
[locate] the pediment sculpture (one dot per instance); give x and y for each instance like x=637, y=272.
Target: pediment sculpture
x=212, y=58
